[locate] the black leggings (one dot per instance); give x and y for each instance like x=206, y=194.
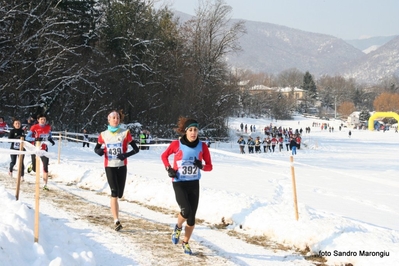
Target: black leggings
x=45, y=162
x=116, y=177
x=187, y=196
x=14, y=161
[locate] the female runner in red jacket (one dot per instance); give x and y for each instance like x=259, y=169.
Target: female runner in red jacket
x=189, y=153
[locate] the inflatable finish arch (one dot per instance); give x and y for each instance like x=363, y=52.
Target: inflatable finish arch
x=381, y=114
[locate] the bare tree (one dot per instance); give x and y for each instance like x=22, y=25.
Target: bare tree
x=290, y=78
x=346, y=108
x=333, y=91
x=210, y=36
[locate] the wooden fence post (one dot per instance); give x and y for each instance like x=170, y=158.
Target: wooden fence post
x=59, y=148
x=36, y=231
x=20, y=163
x=294, y=187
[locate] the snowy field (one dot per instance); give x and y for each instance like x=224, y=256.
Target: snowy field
x=347, y=193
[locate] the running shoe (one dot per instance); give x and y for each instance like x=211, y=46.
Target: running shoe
x=118, y=226
x=176, y=235
x=45, y=188
x=30, y=168
x=186, y=248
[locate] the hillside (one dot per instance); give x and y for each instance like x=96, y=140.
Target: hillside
x=383, y=62
x=369, y=44
x=272, y=48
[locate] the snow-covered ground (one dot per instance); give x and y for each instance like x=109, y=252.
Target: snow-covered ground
x=347, y=193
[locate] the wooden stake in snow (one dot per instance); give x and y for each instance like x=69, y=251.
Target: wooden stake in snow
x=36, y=231
x=20, y=162
x=59, y=148
x=294, y=187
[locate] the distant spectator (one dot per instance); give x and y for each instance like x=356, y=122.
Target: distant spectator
x=148, y=139
x=85, y=138
x=3, y=127
x=142, y=137
x=208, y=142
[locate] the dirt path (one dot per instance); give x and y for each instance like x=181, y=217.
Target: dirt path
x=149, y=235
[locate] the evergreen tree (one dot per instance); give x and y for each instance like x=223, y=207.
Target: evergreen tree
x=310, y=89
x=364, y=116
x=309, y=85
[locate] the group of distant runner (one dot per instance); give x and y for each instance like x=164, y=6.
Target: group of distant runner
x=276, y=138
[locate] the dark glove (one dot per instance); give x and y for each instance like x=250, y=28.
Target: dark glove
x=171, y=172
x=198, y=163
x=100, y=151
x=52, y=142
x=122, y=156
x=38, y=139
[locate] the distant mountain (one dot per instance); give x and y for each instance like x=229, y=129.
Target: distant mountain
x=272, y=48
x=370, y=49
x=370, y=44
x=375, y=66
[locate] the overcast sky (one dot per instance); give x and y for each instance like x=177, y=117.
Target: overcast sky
x=346, y=19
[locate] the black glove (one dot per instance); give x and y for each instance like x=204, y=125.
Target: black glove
x=38, y=139
x=198, y=163
x=100, y=151
x=171, y=172
x=52, y=142
x=122, y=156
